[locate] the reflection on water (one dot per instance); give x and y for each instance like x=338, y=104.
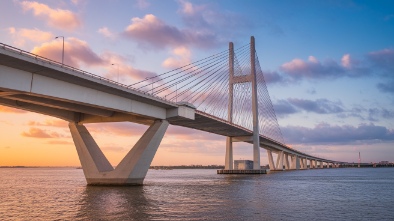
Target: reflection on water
x=334, y=194
x=114, y=203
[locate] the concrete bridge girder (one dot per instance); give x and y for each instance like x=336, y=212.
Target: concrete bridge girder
x=43, y=86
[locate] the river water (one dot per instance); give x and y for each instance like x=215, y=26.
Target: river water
x=319, y=194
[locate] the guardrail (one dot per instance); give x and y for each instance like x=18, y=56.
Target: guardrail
x=70, y=68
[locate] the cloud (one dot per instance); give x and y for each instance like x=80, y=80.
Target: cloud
x=50, y=122
x=60, y=142
x=209, y=19
x=374, y=114
x=319, y=106
x=4, y=109
x=106, y=32
x=297, y=69
x=181, y=56
x=122, y=69
x=274, y=77
x=311, y=91
x=39, y=133
x=386, y=87
x=20, y=36
x=346, y=62
x=324, y=133
x=142, y=4
x=76, y=52
x=312, y=69
x=114, y=149
x=383, y=60
x=151, y=32
x=295, y=105
x=57, y=18
x=283, y=108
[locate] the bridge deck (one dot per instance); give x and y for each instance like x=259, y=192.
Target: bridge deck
x=19, y=60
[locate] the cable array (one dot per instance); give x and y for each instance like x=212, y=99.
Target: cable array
x=205, y=84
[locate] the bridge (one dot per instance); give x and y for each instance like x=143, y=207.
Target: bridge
x=224, y=94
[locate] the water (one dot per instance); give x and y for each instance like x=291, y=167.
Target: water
x=324, y=194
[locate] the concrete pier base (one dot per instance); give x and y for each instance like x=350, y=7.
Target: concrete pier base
x=242, y=171
x=131, y=170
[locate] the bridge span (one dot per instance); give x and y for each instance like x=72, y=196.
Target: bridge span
x=38, y=84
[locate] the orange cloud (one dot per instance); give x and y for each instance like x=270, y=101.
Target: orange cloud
x=49, y=122
x=57, y=18
x=60, y=142
x=5, y=109
x=35, y=35
x=39, y=133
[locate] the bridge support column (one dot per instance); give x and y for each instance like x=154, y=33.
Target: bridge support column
x=295, y=162
x=279, y=161
x=287, y=165
x=305, y=163
x=229, y=154
x=302, y=163
x=131, y=170
x=321, y=165
x=271, y=160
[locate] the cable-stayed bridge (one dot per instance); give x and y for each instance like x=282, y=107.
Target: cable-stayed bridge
x=224, y=94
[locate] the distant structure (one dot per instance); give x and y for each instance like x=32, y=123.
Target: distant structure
x=359, y=159
x=243, y=165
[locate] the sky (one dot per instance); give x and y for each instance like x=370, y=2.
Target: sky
x=329, y=68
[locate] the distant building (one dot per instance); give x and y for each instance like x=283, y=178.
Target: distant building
x=243, y=165
x=384, y=162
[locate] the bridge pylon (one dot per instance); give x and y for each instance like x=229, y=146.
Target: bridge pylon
x=251, y=77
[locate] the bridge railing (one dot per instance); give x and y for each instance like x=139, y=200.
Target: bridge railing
x=62, y=65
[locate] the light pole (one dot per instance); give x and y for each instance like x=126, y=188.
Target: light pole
x=117, y=67
x=151, y=83
x=63, y=48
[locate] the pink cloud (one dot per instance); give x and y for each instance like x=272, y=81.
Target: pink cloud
x=346, y=62
x=120, y=68
x=181, y=56
x=76, y=52
x=106, y=32
x=39, y=133
x=57, y=18
x=152, y=32
x=20, y=36
x=312, y=69
x=142, y=4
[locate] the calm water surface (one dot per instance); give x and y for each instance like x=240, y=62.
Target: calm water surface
x=324, y=194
